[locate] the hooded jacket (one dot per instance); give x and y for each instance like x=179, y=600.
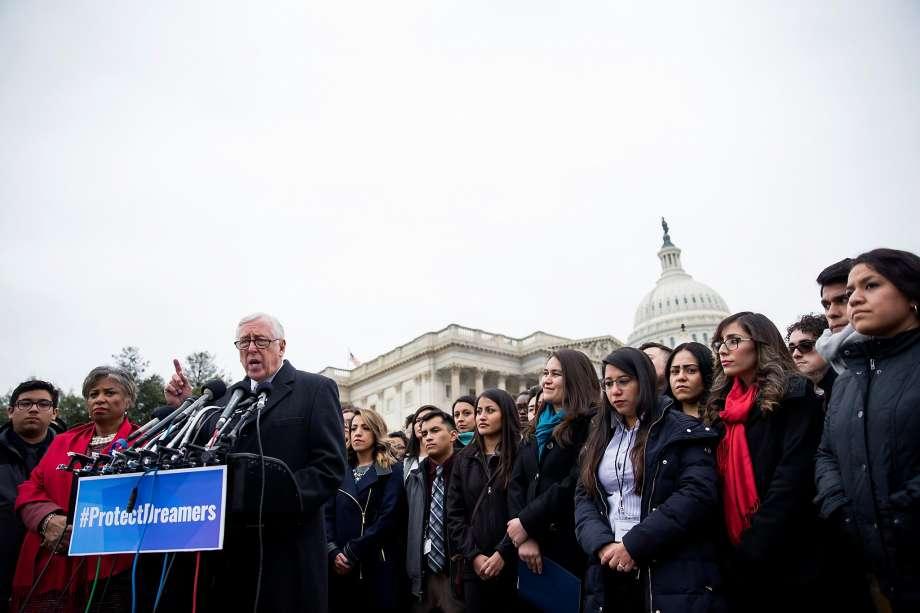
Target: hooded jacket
x=674, y=545
x=868, y=465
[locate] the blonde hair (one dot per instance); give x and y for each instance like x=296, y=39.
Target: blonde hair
x=384, y=454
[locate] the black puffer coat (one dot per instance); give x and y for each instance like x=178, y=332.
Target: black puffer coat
x=542, y=495
x=675, y=543
x=868, y=468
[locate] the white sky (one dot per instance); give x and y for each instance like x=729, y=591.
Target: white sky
x=371, y=171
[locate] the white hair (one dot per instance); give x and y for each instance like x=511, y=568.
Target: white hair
x=277, y=328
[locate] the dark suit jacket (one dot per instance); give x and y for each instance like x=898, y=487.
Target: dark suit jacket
x=301, y=425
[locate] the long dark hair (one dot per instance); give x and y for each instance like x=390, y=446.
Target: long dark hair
x=580, y=389
x=415, y=446
x=774, y=364
x=638, y=366
x=511, y=433
x=704, y=358
x=901, y=268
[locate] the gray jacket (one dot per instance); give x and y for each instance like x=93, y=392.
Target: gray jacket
x=416, y=483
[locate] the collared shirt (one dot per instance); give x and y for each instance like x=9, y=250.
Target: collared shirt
x=616, y=474
x=432, y=470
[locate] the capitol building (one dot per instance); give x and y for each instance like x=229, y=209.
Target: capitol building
x=437, y=367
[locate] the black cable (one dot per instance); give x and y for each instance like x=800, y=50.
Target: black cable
x=38, y=579
x=73, y=576
x=255, y=605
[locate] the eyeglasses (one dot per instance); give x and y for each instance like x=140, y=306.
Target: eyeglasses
x=621, y=383
x=261, y=343
x=25, y=405
x=803, y=347
x=732, y=343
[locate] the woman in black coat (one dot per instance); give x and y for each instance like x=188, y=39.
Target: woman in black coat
x=647, y=501
x=477, y=505
x=868, y=468
x=772, y=419
x=363, y=523
x=541, y=494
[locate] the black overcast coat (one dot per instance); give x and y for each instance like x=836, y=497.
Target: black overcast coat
x=542, y=495
x=868, y=469
x=779, y=561
x=302, y=426
x=675, y=545
x=470, y=478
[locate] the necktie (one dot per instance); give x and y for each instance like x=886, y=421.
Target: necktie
x=436, y=557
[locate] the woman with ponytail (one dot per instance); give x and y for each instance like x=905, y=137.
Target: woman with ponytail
x=772, y=420
x=647, y=499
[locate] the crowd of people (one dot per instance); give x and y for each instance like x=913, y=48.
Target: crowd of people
x=766, y=472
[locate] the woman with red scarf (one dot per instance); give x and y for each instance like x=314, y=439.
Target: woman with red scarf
x=46, y=578
x=772, y=422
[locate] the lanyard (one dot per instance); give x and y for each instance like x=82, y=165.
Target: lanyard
x=621, y=481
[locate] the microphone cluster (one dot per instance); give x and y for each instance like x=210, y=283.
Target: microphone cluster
x=170, y=439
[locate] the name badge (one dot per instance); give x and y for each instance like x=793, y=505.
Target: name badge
x=427, y=547
x=621, y=527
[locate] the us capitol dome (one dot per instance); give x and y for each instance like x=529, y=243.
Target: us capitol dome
x=679, y=309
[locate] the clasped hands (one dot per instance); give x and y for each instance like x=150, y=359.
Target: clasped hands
x=616, y=557
x=528, y=549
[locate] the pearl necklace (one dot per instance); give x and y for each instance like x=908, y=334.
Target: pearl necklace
x=101, y=440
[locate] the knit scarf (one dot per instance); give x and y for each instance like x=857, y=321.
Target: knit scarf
x=739, y=497
x=549, y=419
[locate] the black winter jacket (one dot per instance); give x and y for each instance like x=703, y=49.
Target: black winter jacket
x=366, y=521
x=674, y=545
x=868, y=468
x=542, y=495
x=471, y=477
x=13, y=471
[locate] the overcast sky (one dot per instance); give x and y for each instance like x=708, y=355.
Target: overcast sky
x=371, y=171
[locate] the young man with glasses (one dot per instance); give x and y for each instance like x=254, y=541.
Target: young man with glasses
x=23, y=441
x=802, y=336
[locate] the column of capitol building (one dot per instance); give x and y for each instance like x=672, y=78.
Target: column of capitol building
x=437, y=367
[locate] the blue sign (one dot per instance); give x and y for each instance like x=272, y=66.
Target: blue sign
x=174, y=510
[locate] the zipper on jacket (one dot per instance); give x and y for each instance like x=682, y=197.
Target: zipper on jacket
x=363, y=516
x=651, y=494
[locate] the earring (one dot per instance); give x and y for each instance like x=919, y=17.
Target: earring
x=914, y=307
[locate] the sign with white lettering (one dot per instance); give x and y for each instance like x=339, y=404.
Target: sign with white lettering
x=155, y=511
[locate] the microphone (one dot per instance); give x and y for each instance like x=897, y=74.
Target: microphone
x=159, y=415
x=214, y=388
x=238, y=394
x=263, y=391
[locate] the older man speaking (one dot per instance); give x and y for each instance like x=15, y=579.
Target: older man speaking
x=301, y=425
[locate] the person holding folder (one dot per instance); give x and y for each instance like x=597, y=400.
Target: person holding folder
x=541, y=493
x=646, y=506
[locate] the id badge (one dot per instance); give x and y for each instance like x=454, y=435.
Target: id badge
x=621, y=527
x=427, y=547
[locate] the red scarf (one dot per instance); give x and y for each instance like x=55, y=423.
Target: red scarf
x=739, y=496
